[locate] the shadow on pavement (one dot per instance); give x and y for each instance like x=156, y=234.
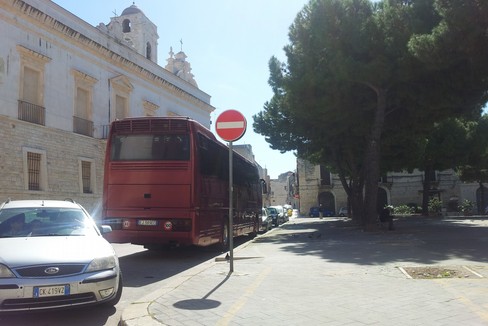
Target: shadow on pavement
x=420, y=240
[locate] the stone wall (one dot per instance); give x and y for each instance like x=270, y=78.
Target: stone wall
x=63, y=151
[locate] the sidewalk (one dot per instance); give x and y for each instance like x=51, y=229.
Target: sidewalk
x=313, y=271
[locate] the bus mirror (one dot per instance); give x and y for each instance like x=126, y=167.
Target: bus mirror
x=263, y=185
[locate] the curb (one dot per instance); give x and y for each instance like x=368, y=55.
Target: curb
x=137, y=312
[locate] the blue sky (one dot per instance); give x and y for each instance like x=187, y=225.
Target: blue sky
x=228, y=44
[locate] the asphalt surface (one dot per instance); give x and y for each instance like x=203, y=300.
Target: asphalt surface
x=313, y=271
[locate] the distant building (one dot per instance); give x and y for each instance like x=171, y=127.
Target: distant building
x=284, y=190
x=246, y=151
x=319, y=187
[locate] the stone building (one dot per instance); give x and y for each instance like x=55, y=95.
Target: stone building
x=319, y=187
x=62, y=81
x=284, y=190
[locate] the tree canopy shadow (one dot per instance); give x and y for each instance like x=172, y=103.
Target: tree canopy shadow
x=420, y=240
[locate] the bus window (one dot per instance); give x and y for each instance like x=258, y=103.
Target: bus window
x=150, y=148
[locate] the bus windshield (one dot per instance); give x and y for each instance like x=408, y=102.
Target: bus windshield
x=163, y=147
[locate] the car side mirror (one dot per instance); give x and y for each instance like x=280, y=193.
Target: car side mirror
x=105, y=229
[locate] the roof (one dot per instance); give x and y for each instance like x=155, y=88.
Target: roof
x=40, y=203
x=132, y=10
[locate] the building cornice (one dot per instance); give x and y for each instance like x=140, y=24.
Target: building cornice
x=45, y=21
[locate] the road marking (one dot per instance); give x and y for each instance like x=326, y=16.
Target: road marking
x=243, y=299
x=405, y=272
x=472, y=271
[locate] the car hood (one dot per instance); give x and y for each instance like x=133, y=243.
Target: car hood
x=16, y=252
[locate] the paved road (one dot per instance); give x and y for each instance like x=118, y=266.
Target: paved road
x=325, y=271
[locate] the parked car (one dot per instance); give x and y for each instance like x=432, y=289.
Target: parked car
x=282, y=214
x=315, y=212
x=266, y=220
x=273, y=212
x=342, y=212
x=53, y=255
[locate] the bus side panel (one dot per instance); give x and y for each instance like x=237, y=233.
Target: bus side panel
x=212, y=199
x=208, y=226
x=148, y=196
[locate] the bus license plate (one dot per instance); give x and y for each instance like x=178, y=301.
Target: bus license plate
x=147, y=222
x=50, y=291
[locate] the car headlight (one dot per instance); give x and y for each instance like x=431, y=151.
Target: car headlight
x=5, y=272
x=102, y=263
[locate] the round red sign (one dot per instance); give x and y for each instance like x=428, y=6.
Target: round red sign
x=231, y=125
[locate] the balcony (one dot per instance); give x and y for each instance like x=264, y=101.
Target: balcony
x=82, y=126
x=32, y=113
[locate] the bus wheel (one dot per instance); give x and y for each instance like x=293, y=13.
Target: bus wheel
x=224, y=238
x=255, y=228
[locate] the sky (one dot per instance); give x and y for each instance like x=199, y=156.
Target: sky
x=228, y=44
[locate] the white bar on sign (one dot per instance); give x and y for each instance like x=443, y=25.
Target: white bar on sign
x=230, y=125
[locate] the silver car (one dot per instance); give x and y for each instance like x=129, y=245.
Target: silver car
x=53, y=255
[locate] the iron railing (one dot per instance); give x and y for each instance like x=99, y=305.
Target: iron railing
x=82, y=126
x=32, y=113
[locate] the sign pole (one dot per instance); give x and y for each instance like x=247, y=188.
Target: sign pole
x=231, y=126
x=231, y=215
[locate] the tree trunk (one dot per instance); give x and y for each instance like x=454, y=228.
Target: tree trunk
x=481, y=206
x=357, y=202
x=372, y=163
x=426, y=191
x=354, y=191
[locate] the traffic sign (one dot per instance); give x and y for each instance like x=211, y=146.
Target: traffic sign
x=231, y=125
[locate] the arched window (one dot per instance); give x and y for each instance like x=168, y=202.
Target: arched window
x=148, y=51
x=126, y=26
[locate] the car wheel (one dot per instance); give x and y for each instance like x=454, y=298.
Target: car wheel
x=112, y=302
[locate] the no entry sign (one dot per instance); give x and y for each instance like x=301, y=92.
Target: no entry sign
x=231, y=125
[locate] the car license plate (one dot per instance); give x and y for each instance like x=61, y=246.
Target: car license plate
x=50, y=291
x=147, y=222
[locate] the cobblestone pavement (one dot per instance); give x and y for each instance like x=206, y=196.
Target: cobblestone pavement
x=313, y=271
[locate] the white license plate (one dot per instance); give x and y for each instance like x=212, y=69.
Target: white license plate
x=50, y=291
x=147, y=222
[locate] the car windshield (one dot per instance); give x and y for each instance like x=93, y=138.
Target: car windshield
x=279, y=209
x=39, y=222
x=272, y=210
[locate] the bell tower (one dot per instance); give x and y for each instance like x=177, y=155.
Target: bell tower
x=133, y=27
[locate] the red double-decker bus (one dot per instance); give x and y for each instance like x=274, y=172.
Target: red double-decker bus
x=166, y=182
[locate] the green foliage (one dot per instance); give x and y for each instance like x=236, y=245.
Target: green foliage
x=403, y=210
x=435, y=205
x=475, y=166
x=466, y=206
x=368, y=81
